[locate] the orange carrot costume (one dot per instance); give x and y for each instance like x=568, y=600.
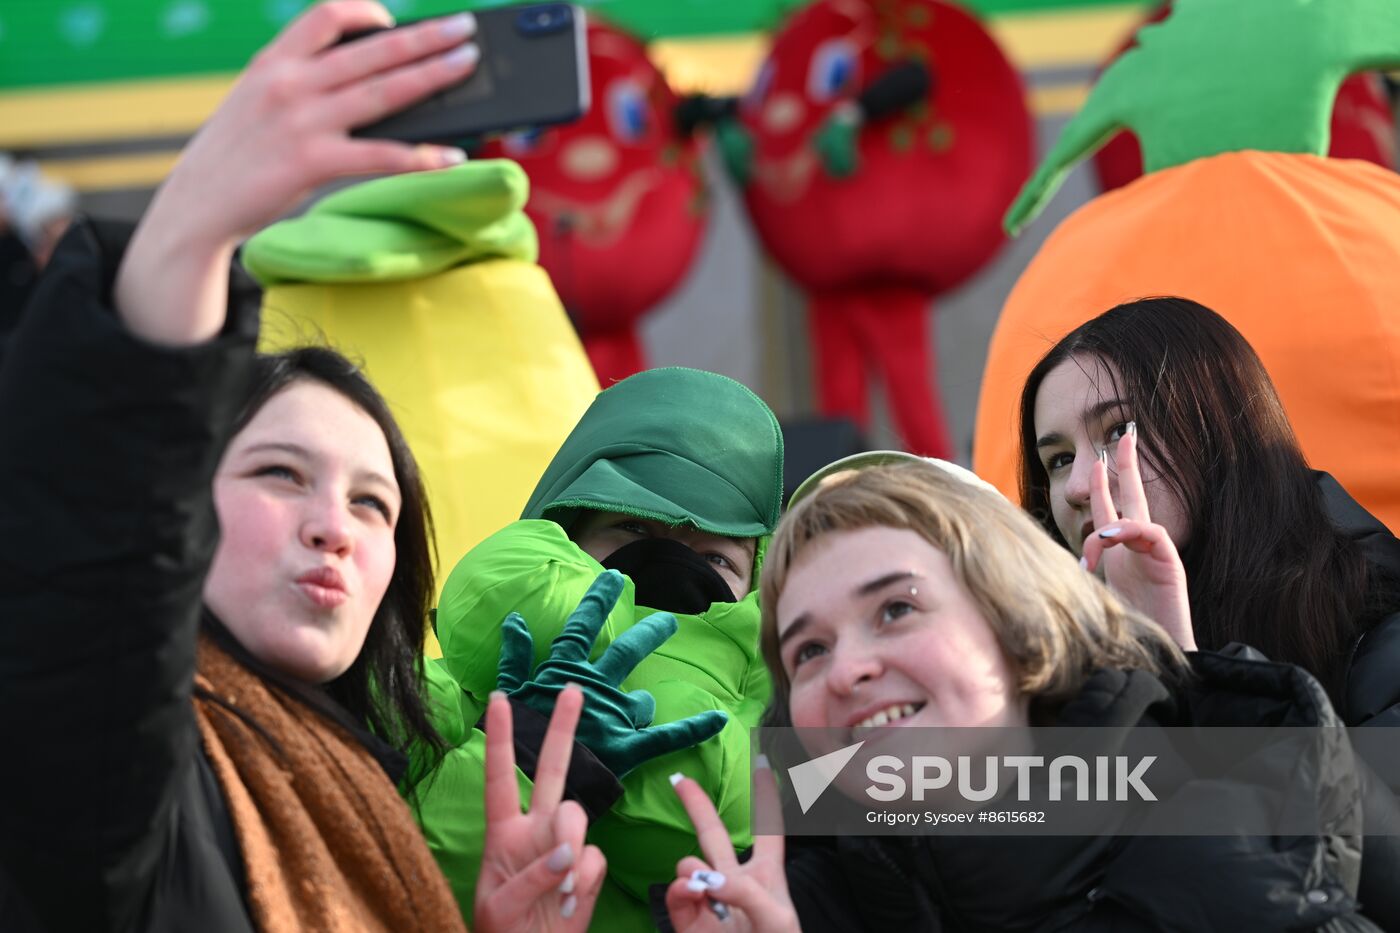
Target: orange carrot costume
x=1238, y=211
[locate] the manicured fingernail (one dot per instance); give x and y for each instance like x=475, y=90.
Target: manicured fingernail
x=1110, y=532
x=498, y=694
x=567, y=885
x=704, y=880
x=464, y=56
x=451, y=155
x=761, y=763
x=1132, y=429
x=458, y=27
x=677, y=778
x=1103, y=456
x=1083, y=563
x=561, y=858
x=720, y=910
x=566, y=909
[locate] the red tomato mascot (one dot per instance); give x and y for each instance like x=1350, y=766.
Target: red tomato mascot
x=909, y=210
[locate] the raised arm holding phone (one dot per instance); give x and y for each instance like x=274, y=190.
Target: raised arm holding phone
x=215, y=568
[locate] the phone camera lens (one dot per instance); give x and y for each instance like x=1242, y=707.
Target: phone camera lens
x=544, y=20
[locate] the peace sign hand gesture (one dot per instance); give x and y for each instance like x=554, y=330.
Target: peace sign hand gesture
x=537, y=876
x=753, y=896
x=1140, y=562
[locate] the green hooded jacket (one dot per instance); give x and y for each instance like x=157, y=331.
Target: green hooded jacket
x=673, y=445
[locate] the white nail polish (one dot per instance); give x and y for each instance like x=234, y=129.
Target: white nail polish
x=761, y=763
x=1083, y=563
x=1132, y=428
x=561, y=858
x=458, y=27
x=566, y=909
x=1110, y=532
x=464, y=56
x=677, y=778
x=696, y=884
x=567, y=885
x=714, y=880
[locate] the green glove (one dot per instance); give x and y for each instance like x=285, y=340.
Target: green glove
x=736, y=146
x=613, y=725
x=835, y=142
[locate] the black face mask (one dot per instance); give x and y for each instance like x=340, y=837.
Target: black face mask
x=670, y=576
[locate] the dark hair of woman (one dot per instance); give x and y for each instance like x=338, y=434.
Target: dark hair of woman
x=382, y=689
x=1264, y=563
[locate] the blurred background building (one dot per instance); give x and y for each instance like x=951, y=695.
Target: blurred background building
x=99, y=95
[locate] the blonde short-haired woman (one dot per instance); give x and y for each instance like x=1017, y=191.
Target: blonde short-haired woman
x=903, y=595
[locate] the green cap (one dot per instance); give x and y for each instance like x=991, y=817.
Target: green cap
x=402, y=227
x=679, y=446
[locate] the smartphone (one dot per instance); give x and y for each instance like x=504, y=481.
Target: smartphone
x=533, y=72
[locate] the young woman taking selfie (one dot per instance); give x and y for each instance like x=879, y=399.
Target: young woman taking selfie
x=214, y=567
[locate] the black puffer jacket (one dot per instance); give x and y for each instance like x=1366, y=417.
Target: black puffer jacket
x=1127, y=883
x=1371, y=696
x=112, y=819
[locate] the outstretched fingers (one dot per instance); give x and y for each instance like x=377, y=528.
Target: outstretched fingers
x=517, y=652
x=1131, y=496
x=371, y=55
x=553, y=767
x=1101, y=495
x=683, y=733
x=629, y=648
x=710, y=830
x=380, y=94
x=768, y=846
x=581, y=630
x=502, y=793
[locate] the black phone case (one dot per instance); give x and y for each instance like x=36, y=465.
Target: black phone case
x=528, y=76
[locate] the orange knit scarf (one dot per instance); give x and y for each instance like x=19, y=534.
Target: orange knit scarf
x=328, y=844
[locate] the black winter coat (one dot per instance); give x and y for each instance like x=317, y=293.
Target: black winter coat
x=1371, y=695
x=110, y=815
x=1123, y=883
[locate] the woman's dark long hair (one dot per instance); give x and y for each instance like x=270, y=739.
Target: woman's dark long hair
x=384, y=686
x=1265, y=564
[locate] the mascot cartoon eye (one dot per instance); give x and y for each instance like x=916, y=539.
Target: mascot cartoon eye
x=628, y=117
x=833, y=70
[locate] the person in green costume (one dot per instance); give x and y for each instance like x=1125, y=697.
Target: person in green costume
x=652, y=520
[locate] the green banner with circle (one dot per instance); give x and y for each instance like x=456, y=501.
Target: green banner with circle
x=50, y=42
